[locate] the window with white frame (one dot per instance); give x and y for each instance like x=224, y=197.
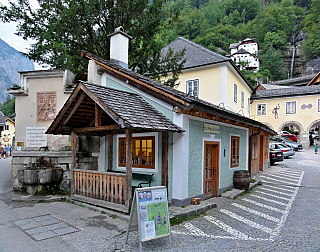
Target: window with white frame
x=242, y=99
x=235, y=151
x=261, y=109
x=235, y=92
x=6, y=127
x=318, y=107
x=193, y=87
x=291, y=107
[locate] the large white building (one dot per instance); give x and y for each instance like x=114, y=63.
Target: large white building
x=244, y=54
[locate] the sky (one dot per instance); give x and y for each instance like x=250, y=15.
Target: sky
x=7, y=31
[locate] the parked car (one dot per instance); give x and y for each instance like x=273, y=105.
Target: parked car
x=290, y=136
x=276, y=155
x=294, y=145
x=286, y=149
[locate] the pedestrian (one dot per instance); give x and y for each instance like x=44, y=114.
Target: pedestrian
x=4, y=152
x=311, y=139
x=1, y=150
x=315, y=148
x=8, y=150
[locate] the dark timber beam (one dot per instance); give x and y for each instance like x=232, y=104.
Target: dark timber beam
x=110, y=151
x=73, y=158
x=128, y=167
x=74, y=109
x=164, y=170
x=97, y=129
x=97, y=121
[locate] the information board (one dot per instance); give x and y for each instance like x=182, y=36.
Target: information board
x=36, y=137
x=149, y=213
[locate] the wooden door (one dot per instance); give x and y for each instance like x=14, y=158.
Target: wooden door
x=261, y=154
x=211, y=170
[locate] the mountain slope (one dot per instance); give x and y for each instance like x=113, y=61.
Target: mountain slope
x=11, y=61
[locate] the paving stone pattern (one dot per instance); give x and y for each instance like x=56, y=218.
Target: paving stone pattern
x=45, y=227
x=253, y=221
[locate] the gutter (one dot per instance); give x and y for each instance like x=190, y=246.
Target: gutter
x=250, y=149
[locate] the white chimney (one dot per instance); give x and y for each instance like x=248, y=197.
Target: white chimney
x=119, y=47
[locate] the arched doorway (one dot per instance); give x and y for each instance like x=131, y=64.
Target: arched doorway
x=293, y=127
x=314, y=129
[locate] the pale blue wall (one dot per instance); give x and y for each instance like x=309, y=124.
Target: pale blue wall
x=167, y=112
x=196, y=135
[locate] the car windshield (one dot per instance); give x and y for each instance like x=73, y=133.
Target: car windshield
x=283, y=146
x=288, y=140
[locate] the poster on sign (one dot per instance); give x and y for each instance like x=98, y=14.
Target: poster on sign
x=149, y=213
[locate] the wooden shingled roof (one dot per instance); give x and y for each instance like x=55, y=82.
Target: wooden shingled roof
x=95, y=110
x=170, y=95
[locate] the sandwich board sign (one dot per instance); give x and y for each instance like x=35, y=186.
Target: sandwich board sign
x=149, y=214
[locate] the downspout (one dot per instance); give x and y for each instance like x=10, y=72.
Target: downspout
x=250, y=149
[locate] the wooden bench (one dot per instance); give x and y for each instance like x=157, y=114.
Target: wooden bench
x=147, y=178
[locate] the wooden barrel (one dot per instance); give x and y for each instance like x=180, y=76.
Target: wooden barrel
x=241, y=180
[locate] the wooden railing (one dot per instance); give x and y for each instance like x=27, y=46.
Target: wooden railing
x=105, y=186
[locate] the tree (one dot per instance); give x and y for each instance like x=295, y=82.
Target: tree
x=63, y=28
x=7, y=108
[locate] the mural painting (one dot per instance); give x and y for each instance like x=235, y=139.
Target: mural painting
x=275, y=111
x=46, y=106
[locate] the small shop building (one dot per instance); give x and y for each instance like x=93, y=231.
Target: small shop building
x=150, y=133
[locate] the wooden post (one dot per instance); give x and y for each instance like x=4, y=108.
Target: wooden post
x=128, y=167
x=73, y=158
x=164, y=170
x=97, y=121
x=110, y=151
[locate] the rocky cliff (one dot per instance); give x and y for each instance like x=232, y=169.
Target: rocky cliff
x=11, y=61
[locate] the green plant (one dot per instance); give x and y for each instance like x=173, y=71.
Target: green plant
x=178, y=220
x=253, y=180
x=113, y=216
x=103, y=212
x=81, y=205
x=246, y=192
x=48, y=189
x=259, y=183
x=183, y=206
x=227, y=190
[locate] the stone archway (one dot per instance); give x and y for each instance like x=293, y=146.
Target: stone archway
x=316, y=122
x=292, y=123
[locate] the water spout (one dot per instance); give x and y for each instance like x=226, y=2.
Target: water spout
x=293, y=54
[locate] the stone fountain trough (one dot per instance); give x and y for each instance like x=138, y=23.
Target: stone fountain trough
x=39, y=174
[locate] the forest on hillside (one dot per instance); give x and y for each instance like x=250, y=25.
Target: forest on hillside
x=62, y=29
x=216, y=24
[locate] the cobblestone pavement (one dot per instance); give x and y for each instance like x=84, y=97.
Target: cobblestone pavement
x=282, y=214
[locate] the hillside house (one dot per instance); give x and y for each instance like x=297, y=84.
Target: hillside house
x=296, y=107
x=212, y=77
x=8, y=134
x=245, y=54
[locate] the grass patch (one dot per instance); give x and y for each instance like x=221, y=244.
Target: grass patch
x=227, y=190
x=177, y=220
x=259, y=183
x=48, y=190
x=246, y=192
x=253, y=180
